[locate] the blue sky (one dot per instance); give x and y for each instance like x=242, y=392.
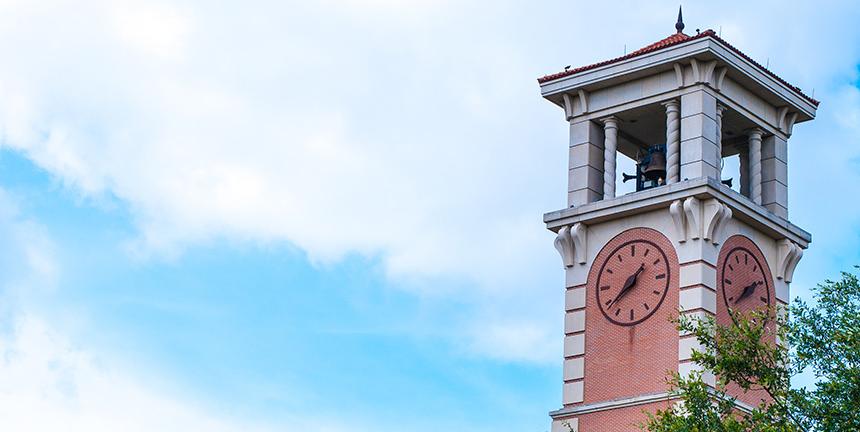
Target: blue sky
x=326, y=216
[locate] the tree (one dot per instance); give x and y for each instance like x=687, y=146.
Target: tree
x=822, y=338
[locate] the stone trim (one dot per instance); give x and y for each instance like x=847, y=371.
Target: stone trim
x=698, y=297
x=625, y=206
x=698, y=261
x=612, y=404
x=789, y=254
x=574, y=298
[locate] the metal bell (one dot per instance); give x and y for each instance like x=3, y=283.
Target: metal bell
x=656, y=167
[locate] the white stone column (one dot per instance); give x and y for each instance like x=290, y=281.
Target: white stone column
x=755, y=164
x=673, y=142
x=610, y=152
x=720, y=110
x=744, y=168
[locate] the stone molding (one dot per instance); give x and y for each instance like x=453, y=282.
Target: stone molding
x=716, y=215
x=694, y=220
x=744, y=210
x=789, y=255
x=607, y=405
x=570, y=243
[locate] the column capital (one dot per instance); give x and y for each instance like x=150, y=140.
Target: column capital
x=610, y=122
x=756, y=132
x=671, y=104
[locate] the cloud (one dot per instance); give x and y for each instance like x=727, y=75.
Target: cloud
x=411, y=133
x=205, y=141
x=51, y=380
x=47, y=385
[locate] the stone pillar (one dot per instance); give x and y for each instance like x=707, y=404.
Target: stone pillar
x=774, y=175
x=755, y=164
x=720, y=110
x=744, y=168
x=673, y=141
x=610, y=152
x=585, y=168
x=699, y=135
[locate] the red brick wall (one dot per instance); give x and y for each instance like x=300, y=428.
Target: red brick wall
x=743, y=273
x=620, y=419
x=626, y=361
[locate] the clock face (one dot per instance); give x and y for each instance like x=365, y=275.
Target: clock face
x=632, y=281
x=744, y=278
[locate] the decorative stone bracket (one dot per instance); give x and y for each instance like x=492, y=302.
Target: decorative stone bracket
x=570, y=243
x=716, y=215
x=570, y=100
x=694, y=220
x=789, y=255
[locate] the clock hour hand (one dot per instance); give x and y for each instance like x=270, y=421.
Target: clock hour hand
x=628, y=284
x=748, y=290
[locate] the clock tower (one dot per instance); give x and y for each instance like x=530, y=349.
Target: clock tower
x=684, y=242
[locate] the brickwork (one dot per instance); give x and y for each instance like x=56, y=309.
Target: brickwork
x=618, y=420
x=740, y=264
x=626, y=361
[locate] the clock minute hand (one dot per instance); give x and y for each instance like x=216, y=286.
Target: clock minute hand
x=628, y=284
x=748, y=290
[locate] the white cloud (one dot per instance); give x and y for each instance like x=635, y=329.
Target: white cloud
x=409, y=132
x=50, y=381
x=48, y=385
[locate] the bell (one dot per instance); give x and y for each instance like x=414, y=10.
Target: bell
x=656, y=167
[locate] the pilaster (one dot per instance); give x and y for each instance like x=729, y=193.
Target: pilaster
x=585, y=168
x=774, y=175
x=699, y=135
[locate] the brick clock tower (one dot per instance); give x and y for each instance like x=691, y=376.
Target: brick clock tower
x=685, y=241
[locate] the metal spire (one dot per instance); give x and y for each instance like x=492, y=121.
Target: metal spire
x=680, y=24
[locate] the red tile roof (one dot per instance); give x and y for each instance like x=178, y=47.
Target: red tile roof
x=672, y=40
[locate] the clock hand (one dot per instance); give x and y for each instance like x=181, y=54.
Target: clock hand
x=628, y=284
x=748, y=290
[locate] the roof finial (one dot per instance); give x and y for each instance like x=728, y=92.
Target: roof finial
x=680, y=24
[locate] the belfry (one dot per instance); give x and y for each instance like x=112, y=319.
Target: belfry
x=684, y=242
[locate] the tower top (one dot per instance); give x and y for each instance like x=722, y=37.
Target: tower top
x=679, y=26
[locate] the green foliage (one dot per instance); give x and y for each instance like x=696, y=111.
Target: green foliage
x=823, y=337
x=826, y=339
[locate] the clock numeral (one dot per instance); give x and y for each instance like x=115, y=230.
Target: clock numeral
x=657, y=261
x=620, y=259
x=764, y=299
x=617, y=311
x=755, y=267
x=604, y=288
x=646, y=306
x=656, y=292
x=737, y=260
x=608, y=302
x=731, y=298
x=660, y=276
x=746, y=259
x=633, y=250
x=609, y=271
x=631, y=314
x=731, y=268
x=646, y=252
x=727, y=282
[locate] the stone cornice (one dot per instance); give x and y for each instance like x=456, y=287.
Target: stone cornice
x=657, y=198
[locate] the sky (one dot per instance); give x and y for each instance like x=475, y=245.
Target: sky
x=327, y=216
